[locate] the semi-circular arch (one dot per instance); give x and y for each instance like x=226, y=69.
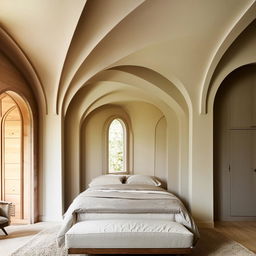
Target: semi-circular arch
x=14, y=52
x=245, y=19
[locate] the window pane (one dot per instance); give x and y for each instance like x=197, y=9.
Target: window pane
x=116, y=143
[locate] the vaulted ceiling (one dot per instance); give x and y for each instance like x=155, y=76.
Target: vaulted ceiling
x=71, y=43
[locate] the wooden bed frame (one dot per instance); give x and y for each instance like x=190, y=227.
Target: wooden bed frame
x=130, y=250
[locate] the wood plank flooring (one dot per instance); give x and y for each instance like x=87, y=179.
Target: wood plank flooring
x=241, y=232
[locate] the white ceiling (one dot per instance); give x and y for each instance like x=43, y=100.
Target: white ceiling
x=69, y=42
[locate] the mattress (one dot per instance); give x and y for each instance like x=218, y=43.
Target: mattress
x=128, y=234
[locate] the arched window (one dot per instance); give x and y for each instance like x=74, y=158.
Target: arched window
x=117, y=146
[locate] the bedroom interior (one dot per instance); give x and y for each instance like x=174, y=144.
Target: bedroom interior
x=110, y=88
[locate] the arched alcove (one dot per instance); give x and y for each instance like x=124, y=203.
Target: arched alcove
x=14, y=87
x=146, y=140
x=234, y=146
x=160, y=150
x=240, y=53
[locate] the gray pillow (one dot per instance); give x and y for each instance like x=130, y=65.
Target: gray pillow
x=108, y=179
x=143, y=180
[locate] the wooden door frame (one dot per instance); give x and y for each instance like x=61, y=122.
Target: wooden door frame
x=21, y=102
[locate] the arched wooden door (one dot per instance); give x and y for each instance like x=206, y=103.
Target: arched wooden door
x=15, y=149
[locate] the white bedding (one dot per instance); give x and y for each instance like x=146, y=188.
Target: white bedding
x=116, y=200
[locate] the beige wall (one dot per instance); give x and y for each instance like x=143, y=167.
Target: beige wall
x=144, y=119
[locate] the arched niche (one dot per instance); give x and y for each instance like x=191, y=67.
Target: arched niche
x=240, y=53
x=147, y=135
x=234, y=146
x=100, y=96
x=13, y=84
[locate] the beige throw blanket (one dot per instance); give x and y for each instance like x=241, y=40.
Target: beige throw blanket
x=126, y=199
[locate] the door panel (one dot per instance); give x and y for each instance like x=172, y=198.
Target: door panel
x=12, y=159
x=16, y=158
x=12, y=171
x=242, y=175
x=235, y=147
x=241, y=103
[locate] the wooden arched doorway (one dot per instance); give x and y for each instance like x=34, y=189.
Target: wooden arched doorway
x=16, y=156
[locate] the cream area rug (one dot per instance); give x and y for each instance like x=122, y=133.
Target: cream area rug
x=211, y=243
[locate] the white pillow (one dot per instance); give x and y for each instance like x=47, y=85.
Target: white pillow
x=143, y=180
x=107, y=179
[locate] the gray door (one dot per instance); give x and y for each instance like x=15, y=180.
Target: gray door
x=243, y=172
x=235, y=147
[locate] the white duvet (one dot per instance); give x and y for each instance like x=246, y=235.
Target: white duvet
x=127, y=199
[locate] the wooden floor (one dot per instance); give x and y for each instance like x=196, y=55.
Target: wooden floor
x=242, y=232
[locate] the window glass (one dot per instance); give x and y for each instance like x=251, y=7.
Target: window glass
x=116, y=146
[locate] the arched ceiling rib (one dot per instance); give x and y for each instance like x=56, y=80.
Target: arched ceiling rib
x=179, y=39
x=178, y=36
x=240, y=53
x=98, y=94
x=243, y=21
x=44, y=30
x=93, y=26
x=158, y=80
x=17, y=56
x=120, y=97
x=110, y=81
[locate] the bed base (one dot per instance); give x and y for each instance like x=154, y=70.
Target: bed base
x=130, y=250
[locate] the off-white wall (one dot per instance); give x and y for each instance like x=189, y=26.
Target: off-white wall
x=51, y=160
x=160, y=164
x=144, y=118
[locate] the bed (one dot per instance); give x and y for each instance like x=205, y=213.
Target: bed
x=133, y=218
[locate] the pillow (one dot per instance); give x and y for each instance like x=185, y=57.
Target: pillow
x=143, y=180
x=107, y=179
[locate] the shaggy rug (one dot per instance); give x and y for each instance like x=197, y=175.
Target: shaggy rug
x=211, y=243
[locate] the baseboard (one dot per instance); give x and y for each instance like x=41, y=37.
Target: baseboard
x=205, y=224
x=232, y=218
